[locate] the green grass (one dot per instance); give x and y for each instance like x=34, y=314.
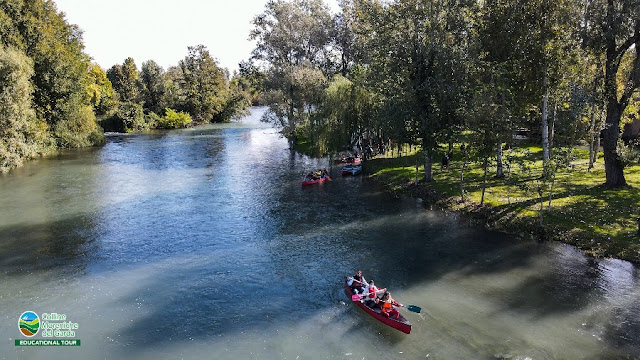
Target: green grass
x=600, y=221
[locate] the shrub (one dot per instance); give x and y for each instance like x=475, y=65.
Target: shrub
x=174, y=120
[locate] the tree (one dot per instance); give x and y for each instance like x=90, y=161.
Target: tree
x=422, y=52
x=205, y=86
x=61, y=68
x=22, y=134
x=125, y=80
x=152, y=86
x=612, y=28
x=251, y=81
x=292, y=38
x=101, y=94
x=173, y=96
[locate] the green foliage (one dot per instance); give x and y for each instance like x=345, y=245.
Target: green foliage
x=250, y=80
x=22, y=134
x=204, y=85
x=345, y=110
x=79, y=128
x=174, y=120
x=152, y=86
x=128, y=117
x=629, y=153
x=197, y=86
x=62, y=96
x=152, y=120
x=125, y=80
x=173, y=96
x=101, y=94
x=293, y=37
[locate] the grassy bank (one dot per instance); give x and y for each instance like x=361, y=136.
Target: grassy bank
x=601, y=221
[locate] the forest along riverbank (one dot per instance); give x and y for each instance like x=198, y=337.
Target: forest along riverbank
x=602, y=222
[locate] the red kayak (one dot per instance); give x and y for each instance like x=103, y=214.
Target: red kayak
x=348, y=160
x=401, y=323
x=316, y=181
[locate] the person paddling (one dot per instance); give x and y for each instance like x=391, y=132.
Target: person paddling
x=372, y=293
x=387, y=304
x=359, y=283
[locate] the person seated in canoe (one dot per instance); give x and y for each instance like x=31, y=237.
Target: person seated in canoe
x=357, y=283
x=387, y=304
x=372, y=294
x=310, y=177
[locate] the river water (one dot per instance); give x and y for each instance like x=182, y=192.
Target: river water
x=201, y=243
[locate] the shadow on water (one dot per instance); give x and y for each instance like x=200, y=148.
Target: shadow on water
x=68, y=244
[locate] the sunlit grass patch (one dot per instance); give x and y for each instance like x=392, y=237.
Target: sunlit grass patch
x=582, y=212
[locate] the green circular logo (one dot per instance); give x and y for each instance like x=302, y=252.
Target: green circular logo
x=29, y=323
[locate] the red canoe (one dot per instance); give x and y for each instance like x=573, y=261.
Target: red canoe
x=401, y=324
x=316, y=181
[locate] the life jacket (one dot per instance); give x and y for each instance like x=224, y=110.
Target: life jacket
x=372, y=292
x=386, y=306
x=358, y=279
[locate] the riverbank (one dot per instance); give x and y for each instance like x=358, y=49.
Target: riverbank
x=603, y=222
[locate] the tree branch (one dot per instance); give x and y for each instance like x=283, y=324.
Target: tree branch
x=634, y=77
x=626, y=45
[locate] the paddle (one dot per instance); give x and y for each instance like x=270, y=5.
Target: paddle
x=412, y=308
x=357, y=297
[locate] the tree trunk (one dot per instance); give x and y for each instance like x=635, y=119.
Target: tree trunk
x=552, y=131
x=613, y=166
x=541, y=207
x=484, y=180
x=428, y=167
x=553, y=182
x=499, y=169
x=464, y=163
x=508, y=184
x=592, y=140
x=595, y=153
x=545, y=124
x=417, y=166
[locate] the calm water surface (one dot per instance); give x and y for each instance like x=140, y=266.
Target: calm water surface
x=201, y=243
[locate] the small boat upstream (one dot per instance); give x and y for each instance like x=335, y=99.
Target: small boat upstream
x=351, y=170
x=349, y=160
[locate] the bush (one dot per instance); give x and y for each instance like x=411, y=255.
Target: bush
x=79, y=128
x=127, y=118
x=152, y=120
x=174, y=120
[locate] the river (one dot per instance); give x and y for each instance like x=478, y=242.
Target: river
x=201, y=243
